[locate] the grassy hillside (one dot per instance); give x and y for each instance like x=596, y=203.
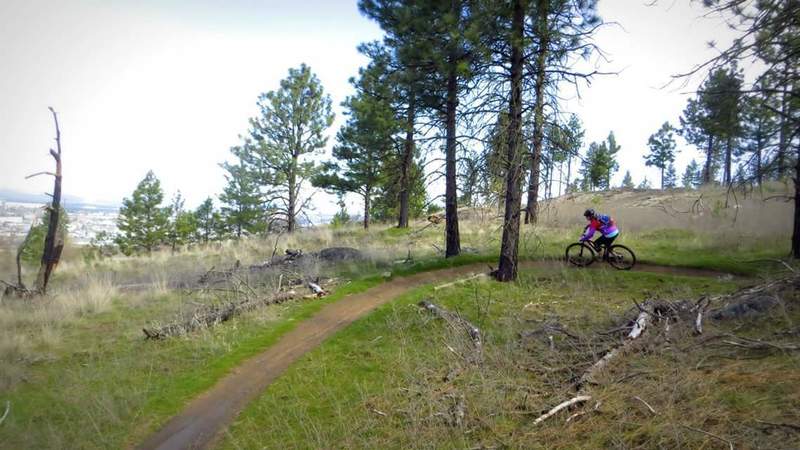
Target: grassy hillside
x=78, y=373
x=401, y=379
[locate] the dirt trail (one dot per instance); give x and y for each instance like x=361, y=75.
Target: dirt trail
x=200, y=422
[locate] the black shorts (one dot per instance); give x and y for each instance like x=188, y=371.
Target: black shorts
x=605, y=241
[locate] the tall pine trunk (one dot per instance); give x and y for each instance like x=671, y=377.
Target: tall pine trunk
x=728, y=149
x=509, y=250
x=796, y=233
x=405, y=169
x=531, y=209
x=783, y=141
x=453, y=241
x=367, y=195
x=569, y=172
x=709, y=158
x=759, y=144
x=290, y=213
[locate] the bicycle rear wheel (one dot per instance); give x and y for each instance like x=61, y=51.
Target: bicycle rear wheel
x=580, y=254
x=621, y=257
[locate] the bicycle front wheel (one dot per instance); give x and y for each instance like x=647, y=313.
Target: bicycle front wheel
x=580, y=254
x=621, y=257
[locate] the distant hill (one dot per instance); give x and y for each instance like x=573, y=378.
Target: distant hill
x=70, y=202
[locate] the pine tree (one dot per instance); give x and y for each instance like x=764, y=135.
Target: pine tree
x=560, y=31
x=574, y=141
x=645, y=184
x=438, y=39
x=599, y=163
x=242, y=211
x=760, y=124
x=662, y=150
x=342, y=217
x=712, y=119
x=670, y=179
x=365, y=141
x=182, y=224
x=206, y=219
x=291, y=124
x=627, y=181
x=692, y=177
x=610, y=151
x=143, y=223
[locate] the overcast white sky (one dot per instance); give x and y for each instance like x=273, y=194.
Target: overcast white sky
x=169, y=85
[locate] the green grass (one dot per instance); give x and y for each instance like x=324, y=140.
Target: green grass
x=93, y=382
x=380, y=382
x=744, y=255
x=104, y=386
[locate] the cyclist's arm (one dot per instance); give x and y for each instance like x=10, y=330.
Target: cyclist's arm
x=590, y=230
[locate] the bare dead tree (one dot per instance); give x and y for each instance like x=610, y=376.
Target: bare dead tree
x=54, y=242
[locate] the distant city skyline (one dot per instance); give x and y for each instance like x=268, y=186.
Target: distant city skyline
x=169, y=87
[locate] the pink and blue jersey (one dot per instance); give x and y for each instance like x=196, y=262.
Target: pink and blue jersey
x=605, y=224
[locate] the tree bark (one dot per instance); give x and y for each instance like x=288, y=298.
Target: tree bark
x=531, y=210
x=509, y=250
x=453, y=241
x=569, y=172
x=796, y=233
x=662, y=178
x=367, y=195
x=783, y=141
x=709, y=157
x=759, y=175
x=52, y=248
x=728, y=150
x=408, y=157
x=290, y=213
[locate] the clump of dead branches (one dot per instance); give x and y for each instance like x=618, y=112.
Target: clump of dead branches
x=235, y=293
x=665, y=318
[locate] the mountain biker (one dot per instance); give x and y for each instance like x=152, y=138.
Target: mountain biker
x=603, y=223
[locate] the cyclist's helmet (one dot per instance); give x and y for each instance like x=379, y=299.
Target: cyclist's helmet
x=589, y=213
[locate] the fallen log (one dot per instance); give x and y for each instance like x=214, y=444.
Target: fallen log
x=561, y=406
x=8, y=408
x=638, y=328
x=456, y=321
x=317, y=289
x=214, y=315
x=639, y=325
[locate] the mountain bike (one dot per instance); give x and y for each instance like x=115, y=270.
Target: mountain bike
x=585, y=253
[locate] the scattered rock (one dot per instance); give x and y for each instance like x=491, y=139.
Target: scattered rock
x=745, y=307
x=340, y=254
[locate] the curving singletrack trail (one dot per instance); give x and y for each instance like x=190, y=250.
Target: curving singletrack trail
x=200, y=422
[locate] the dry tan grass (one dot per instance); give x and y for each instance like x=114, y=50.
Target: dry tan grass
x=701, y=210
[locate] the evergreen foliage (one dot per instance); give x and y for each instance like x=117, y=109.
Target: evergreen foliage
x=627, y=180
x=242, y=211
x=366, y=141
x=291, y=125
x=692, y=176
x=662, y=150
x=32, y=246
x=143, y=223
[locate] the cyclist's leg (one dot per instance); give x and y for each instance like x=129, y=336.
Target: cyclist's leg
x=608, y=244
x=602, y=243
